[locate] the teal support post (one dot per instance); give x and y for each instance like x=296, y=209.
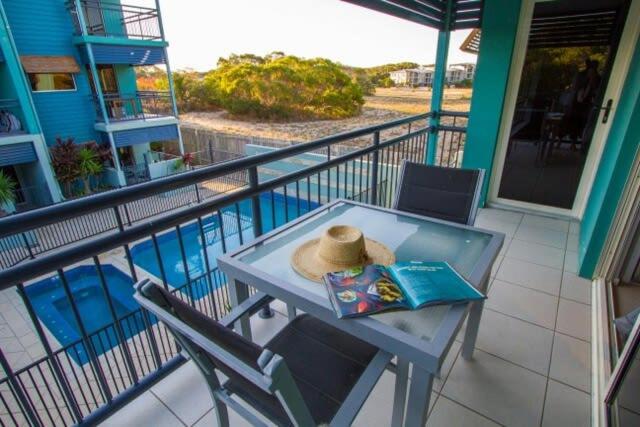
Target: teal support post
x=499, y=28
x=437, y=86
x=437, y=94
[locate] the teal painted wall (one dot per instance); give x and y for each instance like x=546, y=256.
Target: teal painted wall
x=613, y=171
x=44, y=27
x=499, y=27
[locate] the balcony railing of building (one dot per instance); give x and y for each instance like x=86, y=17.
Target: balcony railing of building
x=142, y=105
x=112, y=19
x=107, y=365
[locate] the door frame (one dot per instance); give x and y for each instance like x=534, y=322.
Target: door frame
x=619, y=70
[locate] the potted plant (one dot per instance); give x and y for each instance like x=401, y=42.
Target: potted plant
x=64, y=159
x=7, y=192
x=88, y=165
x=184, y=162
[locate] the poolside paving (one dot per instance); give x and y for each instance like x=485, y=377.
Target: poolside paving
x=532, y=360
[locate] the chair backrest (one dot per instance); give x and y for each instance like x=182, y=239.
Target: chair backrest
x=439, y=192
x=260, y=377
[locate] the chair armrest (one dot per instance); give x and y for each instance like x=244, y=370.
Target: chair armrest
x=361, y=390
x=249, y=306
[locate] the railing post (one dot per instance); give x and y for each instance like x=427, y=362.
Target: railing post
x=374, y=169
x=256, y=216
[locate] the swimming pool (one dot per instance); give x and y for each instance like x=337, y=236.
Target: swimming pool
x=144, y=255
x=54, y=309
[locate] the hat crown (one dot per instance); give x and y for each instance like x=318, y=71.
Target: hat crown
x=342, y=245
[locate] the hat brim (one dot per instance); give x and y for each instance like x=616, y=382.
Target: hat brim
x=306, y=263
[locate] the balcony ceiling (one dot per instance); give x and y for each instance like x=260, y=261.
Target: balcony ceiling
x=432, y=13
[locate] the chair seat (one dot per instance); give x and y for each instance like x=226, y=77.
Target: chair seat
x=324, y=361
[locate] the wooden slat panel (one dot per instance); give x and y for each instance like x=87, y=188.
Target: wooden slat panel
x=49, y=64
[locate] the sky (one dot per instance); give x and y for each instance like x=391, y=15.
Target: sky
x=201, y=31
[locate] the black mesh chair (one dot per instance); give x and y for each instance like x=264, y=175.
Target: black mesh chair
x=439, y=192
x=310, y=373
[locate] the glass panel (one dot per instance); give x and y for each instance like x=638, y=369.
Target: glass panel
x=409, y=238
x=51, y=81
x=563, y=80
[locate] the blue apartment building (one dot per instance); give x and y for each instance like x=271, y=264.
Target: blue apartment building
x=52, y=53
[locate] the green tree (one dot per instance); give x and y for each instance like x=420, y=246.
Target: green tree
x=88, y=165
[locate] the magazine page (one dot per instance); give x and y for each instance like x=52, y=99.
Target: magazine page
x=363, y=291
x=430, y=283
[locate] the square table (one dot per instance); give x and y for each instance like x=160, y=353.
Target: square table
x=420, y=337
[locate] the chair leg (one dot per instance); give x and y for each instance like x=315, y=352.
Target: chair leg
x=222, y=414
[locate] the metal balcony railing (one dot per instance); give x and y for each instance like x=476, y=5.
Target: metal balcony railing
x=105, y=366
x=112, y=19
x=142, y=105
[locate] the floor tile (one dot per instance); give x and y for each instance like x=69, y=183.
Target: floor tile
x=574, y=319
x=536, y=253
x=534, y=276
x=146, y=410
x=519, y=342
x=523, y=303
x=573, y=242
x=628, y=418
x=574, y=227
x=445, y=369
x=576, y=288
x=448, y=413
x=500, y=390
x=262, y=330
x=185, y=392
x=565, y=406
x=378, y=408
x=571, y=262
x=500, y=215
x=544, y=236
x=508, y=228
x=550, y=223
x=496, y=266
x=571, y=362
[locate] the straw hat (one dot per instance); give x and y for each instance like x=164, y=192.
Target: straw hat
x=341, y=247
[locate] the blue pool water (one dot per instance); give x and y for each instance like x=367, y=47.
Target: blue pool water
x=144, y=254
x=54, y=309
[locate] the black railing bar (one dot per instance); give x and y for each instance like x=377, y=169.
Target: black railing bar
x=445, y=128
x=33, y=268
x=73, y=208
x=454, y=113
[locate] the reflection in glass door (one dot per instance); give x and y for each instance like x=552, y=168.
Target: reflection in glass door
x=569, y=55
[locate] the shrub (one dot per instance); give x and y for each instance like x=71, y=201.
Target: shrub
x=64, y=159
x=7, y=189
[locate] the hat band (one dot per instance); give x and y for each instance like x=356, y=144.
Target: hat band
x=361, y=258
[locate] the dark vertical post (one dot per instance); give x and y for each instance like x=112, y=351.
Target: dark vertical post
x=374, y=169
x=256, y=216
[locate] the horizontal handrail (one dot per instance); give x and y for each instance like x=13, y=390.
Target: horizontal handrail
x=33, y=268
x=109, y=199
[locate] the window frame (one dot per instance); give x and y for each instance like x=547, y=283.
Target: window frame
x=73, y=79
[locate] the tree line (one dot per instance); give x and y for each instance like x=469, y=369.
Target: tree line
x=275, y=87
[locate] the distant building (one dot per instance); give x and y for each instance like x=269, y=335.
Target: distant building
x=459, y=72
x=423, y=76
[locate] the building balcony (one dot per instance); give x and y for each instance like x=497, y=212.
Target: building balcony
x=115, y=20
x=143, y=105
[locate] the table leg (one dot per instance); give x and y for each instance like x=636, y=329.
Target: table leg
x=400, y=392
x=419, y=397
x=291, y=312
x=238, y=292
x=473, y=324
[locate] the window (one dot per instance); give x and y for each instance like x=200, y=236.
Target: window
x=45, y=82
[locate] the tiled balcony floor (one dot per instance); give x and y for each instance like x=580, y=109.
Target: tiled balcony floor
x=531, y=365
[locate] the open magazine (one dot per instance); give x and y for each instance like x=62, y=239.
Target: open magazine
x=402, y=286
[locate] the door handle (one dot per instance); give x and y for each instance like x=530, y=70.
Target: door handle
x=607, y=111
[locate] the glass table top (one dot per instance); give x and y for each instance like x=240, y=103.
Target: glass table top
x=409, y=238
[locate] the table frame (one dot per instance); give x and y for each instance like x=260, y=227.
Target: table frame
x=425, y=356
